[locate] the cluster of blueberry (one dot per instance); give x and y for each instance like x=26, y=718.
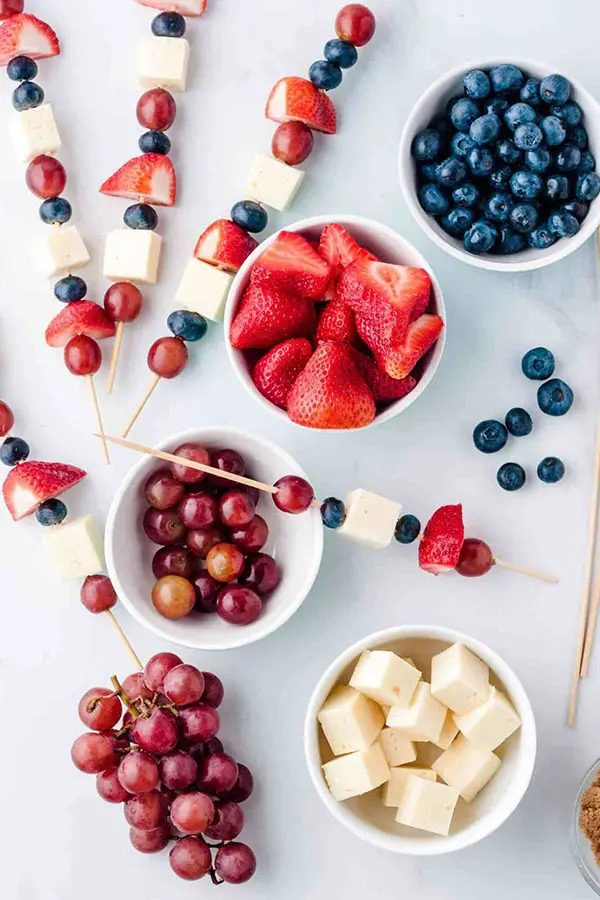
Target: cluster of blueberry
x=554, y=397
x=508, y=165
x=355, y=26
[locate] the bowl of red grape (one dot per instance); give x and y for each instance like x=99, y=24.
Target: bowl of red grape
x=208, y=562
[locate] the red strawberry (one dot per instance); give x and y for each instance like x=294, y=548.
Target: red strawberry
x=399, y=357
x=295, y=99
x=267, y=316
x=25, y=35
x=402, y=293
x=382, y=386
x=291, y=264
x=442, y=540
x=147, y=179
x=330, y=392
x=83, y=317
x=31, y=483
x=274, y=375
x=340, y=249
x=183, y=7
x=336, y=323
x=225, y=244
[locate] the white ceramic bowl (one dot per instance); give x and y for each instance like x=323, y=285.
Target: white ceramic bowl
x=433, y=101
x=390, y=247
x=366, y=816
x=295, y=541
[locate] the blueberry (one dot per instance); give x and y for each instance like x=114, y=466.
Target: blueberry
x=480, y=237
x=509, y=242
x=551, y=469
x=498, y=207
x=523, y=217
x=587, y=186
x=461, y=144
x=576, y=208
x=187, y=325
x=51, y=512
x=451, y=172
x=477, y=84
x=500, y=178
x=342, y=53
x=325, y=75
x=526, y=185
x=407, y=529
x=579, y=137
x=463, y=112
x=554, y=130
x=141, y=216
x=563, y=224
x=485, y=129
x=555, y=89
x=506, y=78
x=433, y=200
x=70, y=289
x=538, y=364
x=428, y=171
x=333, y=512
x=168, y=24
x=427, y=144
x=55, y=211
x=480, y=160
x=588, y=162
x=13, y=451
x=530, y=92
x=508, y=152
x=518, y=422
x=519, y=114
x=21, y=68
x=538, y=160
x=556, y=187
x=249, y=215
x=511, y=476
x=27, y=95
x=570, y=113
x=555, y=398
x=568, y=158
x=541, y=238
x=490, y=436
x=154, y=142
x=442, y=124
x=497, y=105
x=457, y=221
x=528, y=137
x=465, y=195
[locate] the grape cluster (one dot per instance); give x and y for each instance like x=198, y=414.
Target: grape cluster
x=161, y=758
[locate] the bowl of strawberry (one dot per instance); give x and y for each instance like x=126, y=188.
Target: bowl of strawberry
x=207, y=562
x=335, y=323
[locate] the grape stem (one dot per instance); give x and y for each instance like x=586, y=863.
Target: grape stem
x=214, y=877
x=119, y=690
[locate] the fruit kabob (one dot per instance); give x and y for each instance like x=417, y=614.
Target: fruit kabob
x=301, y=107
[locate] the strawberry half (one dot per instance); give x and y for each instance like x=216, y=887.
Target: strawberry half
x=148, y=179
x=397, y=356
x=401, y=293
x=267, y=316
x=383, y=388
x=31, y=483
x=340, y=249
x=82, y=317
x=442, y=541
x=183, y=7
x=330, y=392
x=336, y=323
x=26, y=35
x=291, y=264
x=296, y=99
x=275, y=374
x=225, y=244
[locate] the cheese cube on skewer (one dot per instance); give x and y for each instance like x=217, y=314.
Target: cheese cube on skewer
x=459, y=679
x=350, y=721
x=62, y=251
x=427, y=805
x=448, y=733
x=77, y=548
x=163, y=62
x=204, y=289
x=272, y=182
x=33, y=132
x=466, y=768
x=370, y=519
x=398, y=750
x=422, y=720
x=131, y=255
x=394, y=788
x=356, y=773
x=491, y=724
x=385, y=678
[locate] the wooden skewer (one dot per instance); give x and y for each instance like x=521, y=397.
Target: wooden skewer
x=525, y=570
x=115, y=357
x=141, y=405
x=590, y=599
x=98, y=416
x=136, y=660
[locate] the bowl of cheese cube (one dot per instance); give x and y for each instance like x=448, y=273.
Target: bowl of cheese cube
x=420, y=740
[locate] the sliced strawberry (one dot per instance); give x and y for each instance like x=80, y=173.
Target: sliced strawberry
x=295, y=99
x=82, y=317
x=26, y=35
x=336, y=323
x=225, y=244
x=442, y=541
x=399, y=357
x=400, y=291
x=383, y=388
x=148, y=179
x=268, y=316
x=339, y=248
x=275, y=374
x=291, y=264
x=183, y=7
x=31, y=483
x=330, y=392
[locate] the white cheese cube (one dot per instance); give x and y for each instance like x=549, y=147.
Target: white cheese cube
x=385, y=678
x=427, y=805
x=77, y=548
x=349, y=720
x=459, y=679
x=62, y=251
x=357, y=773
x=204, y=289
x=422, y=720
x=34, y=132
x=272, y=182
x=491, y=724
x=398, y=750
x=394, y=788
x=448, y=733
x=132, y=255
x=163, y=62
x=465, y=768
x=370, y=519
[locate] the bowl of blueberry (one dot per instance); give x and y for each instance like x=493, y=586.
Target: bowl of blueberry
x=497, y=164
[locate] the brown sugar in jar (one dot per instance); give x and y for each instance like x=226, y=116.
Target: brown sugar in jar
x=589, y=816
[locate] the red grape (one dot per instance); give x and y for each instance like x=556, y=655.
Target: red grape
x=207, y=592
x=243, y=787
x=7, y=419
x=236, y=509
x=184, y=685
x=217, y=773
x=98, y=594
x=235, y=863
x=194, y=452
x=239, y=605
x=150, y=841
x=156, y=669
x=294, y=495
x=261, y=573
x=251, y=538
x=192, y=813
x=173, y=561
x=93, y=752
x=200, y=540
x=100, y=709
x=163, y=526
x=82, y=355
x=146, y=811
x=213, y=690
x=45, y=177
x=178, y=770
x=109, y=787
x=227, y=823
x=162, y=490
x=156, y=109
x=167, y=357
x=138, y=772
x=475, y=559
x=214, y=745
x=224, y=562
x=199, y=722
x=123, y=302
x=199, y=510
x=190, y=858
x=135, y=688
x=173, y=597
x=228, y=461
x=157, y=733
x=355, y=23
x=10, y=8
x=292, y=143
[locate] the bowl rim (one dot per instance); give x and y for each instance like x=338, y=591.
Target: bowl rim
x=491, y=820
x=346, y=219
x=208, y=433
x=553, y=254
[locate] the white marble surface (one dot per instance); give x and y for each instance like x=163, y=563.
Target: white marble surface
x=59, y=841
